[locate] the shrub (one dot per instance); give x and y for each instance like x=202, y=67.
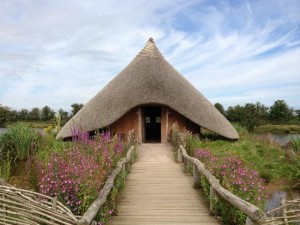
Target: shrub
x=77, y=175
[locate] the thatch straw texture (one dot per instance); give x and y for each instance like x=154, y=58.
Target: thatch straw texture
x=149, y=79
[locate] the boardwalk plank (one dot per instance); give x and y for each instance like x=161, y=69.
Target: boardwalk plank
x=158, y=192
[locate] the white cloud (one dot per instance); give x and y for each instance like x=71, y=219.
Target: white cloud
x=60, y=52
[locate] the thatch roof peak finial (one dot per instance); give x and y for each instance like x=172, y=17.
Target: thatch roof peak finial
x=151, y=40
x=150, y=49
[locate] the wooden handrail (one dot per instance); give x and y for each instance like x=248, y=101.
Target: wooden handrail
x=92, y=211
x=255, y=214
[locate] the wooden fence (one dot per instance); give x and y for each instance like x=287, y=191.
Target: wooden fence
x=22, y=207
x=290, y=209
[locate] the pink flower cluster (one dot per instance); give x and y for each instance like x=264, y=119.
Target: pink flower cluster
x=234, y=175
x=77, y=175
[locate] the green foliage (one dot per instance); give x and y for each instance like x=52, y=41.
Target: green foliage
x=220, y=108
x=47, y=113
x=35, y=114
x=23, y=115
x=5, y=166
x=192, y=143
x=296, y=143
x=18, y=141
x=286, y=129
x=76, y=107
x=64, y=116
x=280, y=112
x=293, y=172
x=250, y=115
x=106, y=211
x=4, y=111
x=229, y=214
x=298, y=113
x=242, y=131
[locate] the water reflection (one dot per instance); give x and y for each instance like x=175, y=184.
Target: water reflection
x=274, y=201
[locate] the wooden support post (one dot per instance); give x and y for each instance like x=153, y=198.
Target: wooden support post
x=186, y=165
x=249, y=221
x=3, y=206
x=128, y=167
x=124, y=171
x=179, y=156
x=212, y=198
x=54, y=202
x=196, y=177
x=284, y=212
x=132, y=157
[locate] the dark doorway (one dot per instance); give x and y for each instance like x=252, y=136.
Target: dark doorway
x=152, y=123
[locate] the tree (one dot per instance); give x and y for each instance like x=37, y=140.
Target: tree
x=35, y=114
x=280, y=112
x=64, y=114
x=76, y=107
x=250, y=115
x=298, y=113
x=47, y=113
x=220, y=107
x=12, y=116
x=4, y=111
x=23, y=115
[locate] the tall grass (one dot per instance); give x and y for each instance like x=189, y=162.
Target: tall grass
x=18, y=141
x=296, y=143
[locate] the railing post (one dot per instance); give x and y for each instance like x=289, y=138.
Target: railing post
x=212, y=198
x=132, y=157
x=179, y=155
x=124, y=171
x=196, y=177
x=127, y=165
x=186, y=165
x=249, y=221
x=284, y=212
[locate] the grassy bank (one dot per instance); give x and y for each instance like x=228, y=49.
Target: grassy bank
x=280, y=129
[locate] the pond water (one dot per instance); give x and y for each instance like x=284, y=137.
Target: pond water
x=281, y=139
x=274, y=201
x=2, y=130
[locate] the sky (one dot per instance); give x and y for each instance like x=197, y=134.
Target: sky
x=57, y=53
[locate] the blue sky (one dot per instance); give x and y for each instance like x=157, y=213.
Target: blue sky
x=60, y=52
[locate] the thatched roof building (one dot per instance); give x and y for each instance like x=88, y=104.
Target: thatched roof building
x=149, y=95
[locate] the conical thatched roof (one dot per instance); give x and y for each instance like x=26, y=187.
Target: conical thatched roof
x=149, y=79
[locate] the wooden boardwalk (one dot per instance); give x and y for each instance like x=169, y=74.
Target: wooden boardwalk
x=157, y=192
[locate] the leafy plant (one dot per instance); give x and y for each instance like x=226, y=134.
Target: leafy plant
x=5, y=166
x=18, y=141
x=296, y=143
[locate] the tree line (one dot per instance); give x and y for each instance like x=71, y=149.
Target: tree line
x=249, y=115
x=8, y=115
x=252, y=115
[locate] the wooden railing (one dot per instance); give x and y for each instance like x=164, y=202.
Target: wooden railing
x=123, y=165
x=254, y=214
